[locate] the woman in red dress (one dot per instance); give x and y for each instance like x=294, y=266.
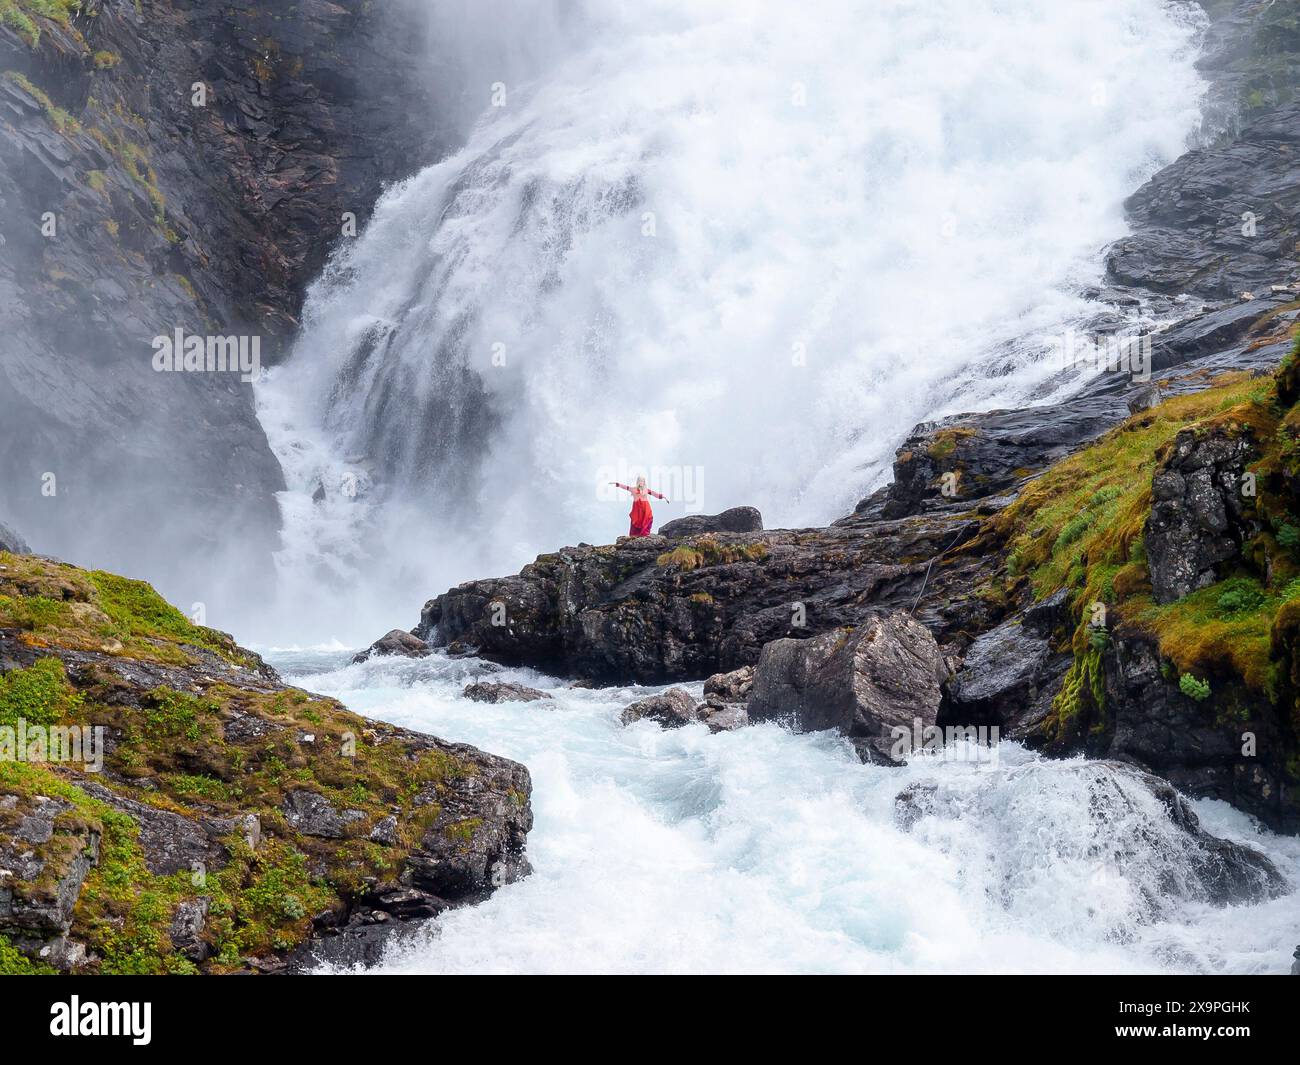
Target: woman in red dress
x=642, y=516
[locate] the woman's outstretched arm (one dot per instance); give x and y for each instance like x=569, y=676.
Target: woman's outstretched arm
x=619, y=484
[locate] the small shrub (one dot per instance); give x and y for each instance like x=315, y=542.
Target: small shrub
x=39, y=694
x=1239, y=596
x=1071, y=531
x=1193, y=688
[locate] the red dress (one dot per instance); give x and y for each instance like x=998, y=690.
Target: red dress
x=642, y=517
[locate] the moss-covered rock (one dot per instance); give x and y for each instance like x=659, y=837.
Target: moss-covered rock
x=1165, y=536
x=232, y=817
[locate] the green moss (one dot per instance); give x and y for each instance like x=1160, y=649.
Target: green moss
x=12, y=963
x=1080, y=526
x=708, y=551
x=945, y=442
x=22, y=16
x=1082, y=695
x=59, y=118
x=140, y=611
x=39, y=695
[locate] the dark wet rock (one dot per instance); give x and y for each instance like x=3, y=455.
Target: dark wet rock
x=1199, y=517
x=671, y=709
x=503, y=692
x=723, y=717
x=1008, y=666
x=725, y=695
x=1050, y=616
x=476, y=843
x=395, y=642
x=864, y=683
x=653, y=611
x=357, y=945
x=1250, y=55
x=974, y=456
x=735, y=520
x=171, y=842
x=1295, y=965
x=1220, y=220
x=313, y=815
x=1197, y=745
x=733, y=687
x=1230, y=872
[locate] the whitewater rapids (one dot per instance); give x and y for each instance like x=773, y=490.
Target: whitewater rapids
x=762, y=851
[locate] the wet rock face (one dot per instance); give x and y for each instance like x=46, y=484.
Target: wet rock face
x=211, y=218
x=1198, y=515
x=862, y=683
x=1221, y=220
x=1151, y=722
x=1008, y=677
x=46, y=852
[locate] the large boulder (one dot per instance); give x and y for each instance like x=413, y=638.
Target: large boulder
x=211, y=766
x=671, y=709
x=864, y=682
x=503, y=692
x=725, y=695
x=1007, y=678
x=395, y=642
x=735, y=520
x=1199, y=516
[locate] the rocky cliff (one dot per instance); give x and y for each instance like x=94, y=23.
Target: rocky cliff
x=167, y=805
x=176, y=165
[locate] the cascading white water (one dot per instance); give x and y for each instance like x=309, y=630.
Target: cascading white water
x=741, y=245
x=761, y=851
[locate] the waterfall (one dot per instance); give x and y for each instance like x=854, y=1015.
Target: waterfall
x=740, y=246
